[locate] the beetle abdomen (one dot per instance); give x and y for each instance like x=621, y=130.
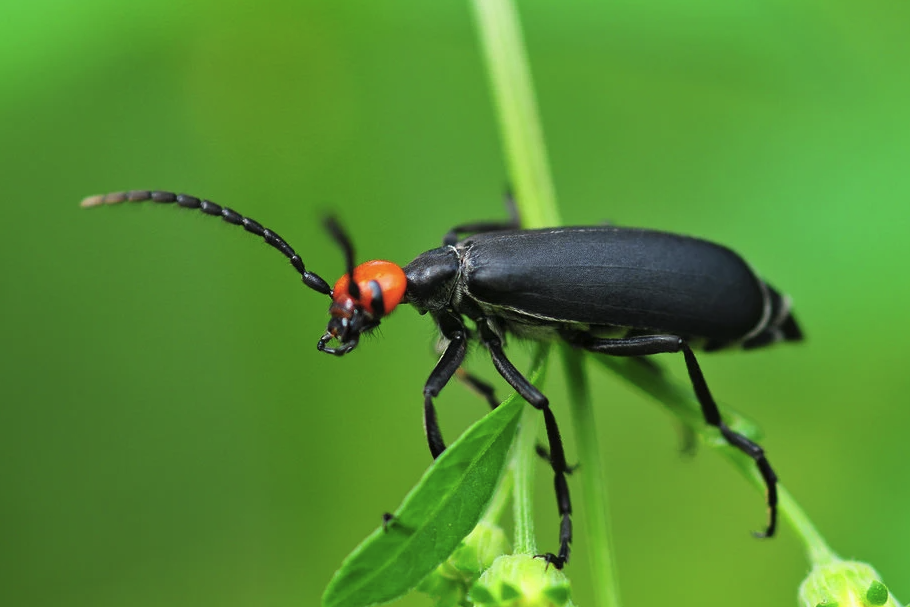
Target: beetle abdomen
x=612, y=276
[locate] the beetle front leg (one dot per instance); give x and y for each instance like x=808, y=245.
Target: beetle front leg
x=453, y=329
x=557, y=456
x=659, y=344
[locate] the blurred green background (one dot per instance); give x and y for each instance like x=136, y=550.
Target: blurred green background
x=169, y=434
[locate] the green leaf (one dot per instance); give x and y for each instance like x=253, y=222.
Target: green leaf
x=433, y=519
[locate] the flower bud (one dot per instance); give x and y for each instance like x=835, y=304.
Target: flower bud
x=521, y=581
x=450, y=583
x=844, y=584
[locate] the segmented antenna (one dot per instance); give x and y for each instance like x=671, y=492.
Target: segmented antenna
x=344, y=242
x=208, y=207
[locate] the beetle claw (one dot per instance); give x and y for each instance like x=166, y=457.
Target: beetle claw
x=551, y=559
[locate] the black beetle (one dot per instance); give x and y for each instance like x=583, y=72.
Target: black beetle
x=611, y=290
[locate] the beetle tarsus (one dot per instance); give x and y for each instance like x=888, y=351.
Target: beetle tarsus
x=551, y=559
x=388, y=519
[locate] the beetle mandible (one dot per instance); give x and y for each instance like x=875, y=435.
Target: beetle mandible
x=610, y=290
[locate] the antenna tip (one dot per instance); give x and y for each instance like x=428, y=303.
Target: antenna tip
x=99, y=199
x=92, y=201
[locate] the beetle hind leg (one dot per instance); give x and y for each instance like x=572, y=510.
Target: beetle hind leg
x=750, y=448
x=659, y=344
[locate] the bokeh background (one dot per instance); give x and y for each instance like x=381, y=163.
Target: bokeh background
x=169, y=434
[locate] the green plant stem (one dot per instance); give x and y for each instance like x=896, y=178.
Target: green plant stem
x=519, y=124
x=519, y=475
x=593, y=481
x=523, y=469
x=518, y=481
x=818, y=551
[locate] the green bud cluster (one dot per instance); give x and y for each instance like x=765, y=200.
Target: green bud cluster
x=450, y=583
x=844, y=584
x=521, y=581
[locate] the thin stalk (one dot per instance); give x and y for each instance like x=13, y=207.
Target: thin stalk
x=522, y=462
x=516, y=110
x=593, y=481
x=523, y=470
x=518, y=479
x=817, y=548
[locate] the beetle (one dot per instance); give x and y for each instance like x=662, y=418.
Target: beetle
x=605, y=289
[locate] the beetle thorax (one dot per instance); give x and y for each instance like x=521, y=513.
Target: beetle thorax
x=432, y=279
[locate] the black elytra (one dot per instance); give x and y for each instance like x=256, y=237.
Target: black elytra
x=605, y=289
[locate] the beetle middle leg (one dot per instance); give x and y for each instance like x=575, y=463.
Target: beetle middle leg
x=484, y=389
x=646, y=345
x=557, y=455
x=487, y=391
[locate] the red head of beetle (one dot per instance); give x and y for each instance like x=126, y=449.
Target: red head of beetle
x=378, y=287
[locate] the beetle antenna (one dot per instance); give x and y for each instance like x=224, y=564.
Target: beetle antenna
x=344, y=242
x=313, y=281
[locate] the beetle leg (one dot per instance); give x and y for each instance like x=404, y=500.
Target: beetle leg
x=544, y=454
x=452, y=236
x=454, y=330
x=480, y=386
x=659, y=344
x=712, y=416
x=557, y=455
